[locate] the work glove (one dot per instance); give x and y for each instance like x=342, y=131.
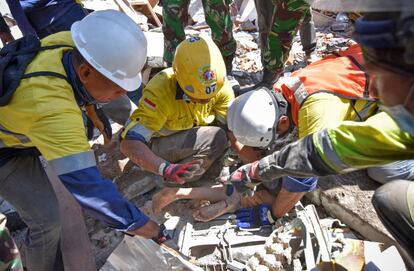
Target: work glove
x=254, y=217
x=180, y=173
x=242, y=178
x=163, y=235
x=98, y=119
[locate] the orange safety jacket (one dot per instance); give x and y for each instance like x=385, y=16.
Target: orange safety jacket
x=341, y=74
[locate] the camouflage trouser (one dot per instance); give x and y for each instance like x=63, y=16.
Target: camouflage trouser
x=175, y=17
x=279, y=20
x=9, y=254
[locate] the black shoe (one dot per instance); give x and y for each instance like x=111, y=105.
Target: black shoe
x=234, y=84
x=269, y=78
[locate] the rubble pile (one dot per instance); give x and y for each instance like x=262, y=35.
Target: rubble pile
x=300, y=240
x=275, y=255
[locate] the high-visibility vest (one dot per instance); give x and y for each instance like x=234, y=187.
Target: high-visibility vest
x=341, y=74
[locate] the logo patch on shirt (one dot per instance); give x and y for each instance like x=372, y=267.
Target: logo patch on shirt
x=148, y=103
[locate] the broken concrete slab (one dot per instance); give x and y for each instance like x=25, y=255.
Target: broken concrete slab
x=135, y=182
x=348, y=198
x=136, y=253
x=155, y=49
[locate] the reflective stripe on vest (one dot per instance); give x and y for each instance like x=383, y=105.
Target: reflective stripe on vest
x=22, y=138
x=340, y=75
x=322, y=140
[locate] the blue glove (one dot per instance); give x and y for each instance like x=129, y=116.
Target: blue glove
x=254, y=217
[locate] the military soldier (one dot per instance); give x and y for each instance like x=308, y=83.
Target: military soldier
x=217, y=14
x=279, y=20
x=9, y=254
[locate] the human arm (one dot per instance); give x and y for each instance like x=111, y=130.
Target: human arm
x=143, y=124
x=139, y=153
x=246, y=153
x=347, y=147
x=60, y=137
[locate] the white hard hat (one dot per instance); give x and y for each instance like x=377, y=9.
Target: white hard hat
x=253, y=117
x=114, y=45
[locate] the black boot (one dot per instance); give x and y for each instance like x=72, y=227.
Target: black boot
x=269, y=78
x=235, y=85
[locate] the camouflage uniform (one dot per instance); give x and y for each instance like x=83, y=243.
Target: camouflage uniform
x=175, y=17
x=279, y=20
x=9, y=254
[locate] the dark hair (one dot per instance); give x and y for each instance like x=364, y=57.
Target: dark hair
x=77, y=58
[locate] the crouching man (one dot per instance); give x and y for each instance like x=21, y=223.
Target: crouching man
x=169, y=134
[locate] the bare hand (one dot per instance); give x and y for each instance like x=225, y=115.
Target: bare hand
x=6, y=37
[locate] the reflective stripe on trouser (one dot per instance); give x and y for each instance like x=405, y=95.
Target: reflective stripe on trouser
x=9, y=254
x=217, y=15
x=278, y=23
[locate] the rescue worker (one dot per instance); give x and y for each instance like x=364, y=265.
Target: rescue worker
x=9, y=254
x=387, y=44
x=42, y=97
x=279, y=21
x=45, y=17
x=169, y=134
x=322, y=94
x=217, y=14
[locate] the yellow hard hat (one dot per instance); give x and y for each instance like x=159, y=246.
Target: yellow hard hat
x=199, y=67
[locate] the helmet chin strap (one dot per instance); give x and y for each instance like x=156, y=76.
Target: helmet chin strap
x=281, y=108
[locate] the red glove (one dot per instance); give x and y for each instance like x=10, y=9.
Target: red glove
x=180, y=173
x=163, y=235
x=242, y=178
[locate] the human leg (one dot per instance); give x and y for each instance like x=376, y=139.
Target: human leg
x=170, y=194
x=287, y=18
x=175, y=17
x=217, y=14
x=400, y=170
x=394, y=204
x=206, y=143
x=26, y=186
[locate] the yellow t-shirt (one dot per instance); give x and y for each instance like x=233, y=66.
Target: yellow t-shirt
x=43, y=113
x=323, y=110
x=164, y=110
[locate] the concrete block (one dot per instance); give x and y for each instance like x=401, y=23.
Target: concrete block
x=155, y=52
x=348, y=198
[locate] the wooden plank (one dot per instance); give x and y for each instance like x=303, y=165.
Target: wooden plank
x=145, y=7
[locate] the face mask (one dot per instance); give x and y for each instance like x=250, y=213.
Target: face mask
x=401, y=115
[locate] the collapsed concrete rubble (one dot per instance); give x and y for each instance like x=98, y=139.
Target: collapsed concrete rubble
x=299, y=241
